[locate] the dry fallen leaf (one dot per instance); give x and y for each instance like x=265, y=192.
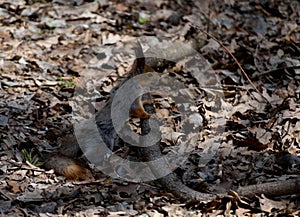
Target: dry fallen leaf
x=269, y=206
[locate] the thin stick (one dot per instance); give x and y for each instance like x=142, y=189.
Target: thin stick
x=233, y=57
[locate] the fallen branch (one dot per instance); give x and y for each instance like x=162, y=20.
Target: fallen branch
x=271, y=189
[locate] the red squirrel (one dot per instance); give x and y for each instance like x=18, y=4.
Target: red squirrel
x=64, y=162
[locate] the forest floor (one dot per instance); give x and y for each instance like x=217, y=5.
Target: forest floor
x=246, y=131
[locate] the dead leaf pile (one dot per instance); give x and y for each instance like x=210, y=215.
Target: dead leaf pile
x=53, y=50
